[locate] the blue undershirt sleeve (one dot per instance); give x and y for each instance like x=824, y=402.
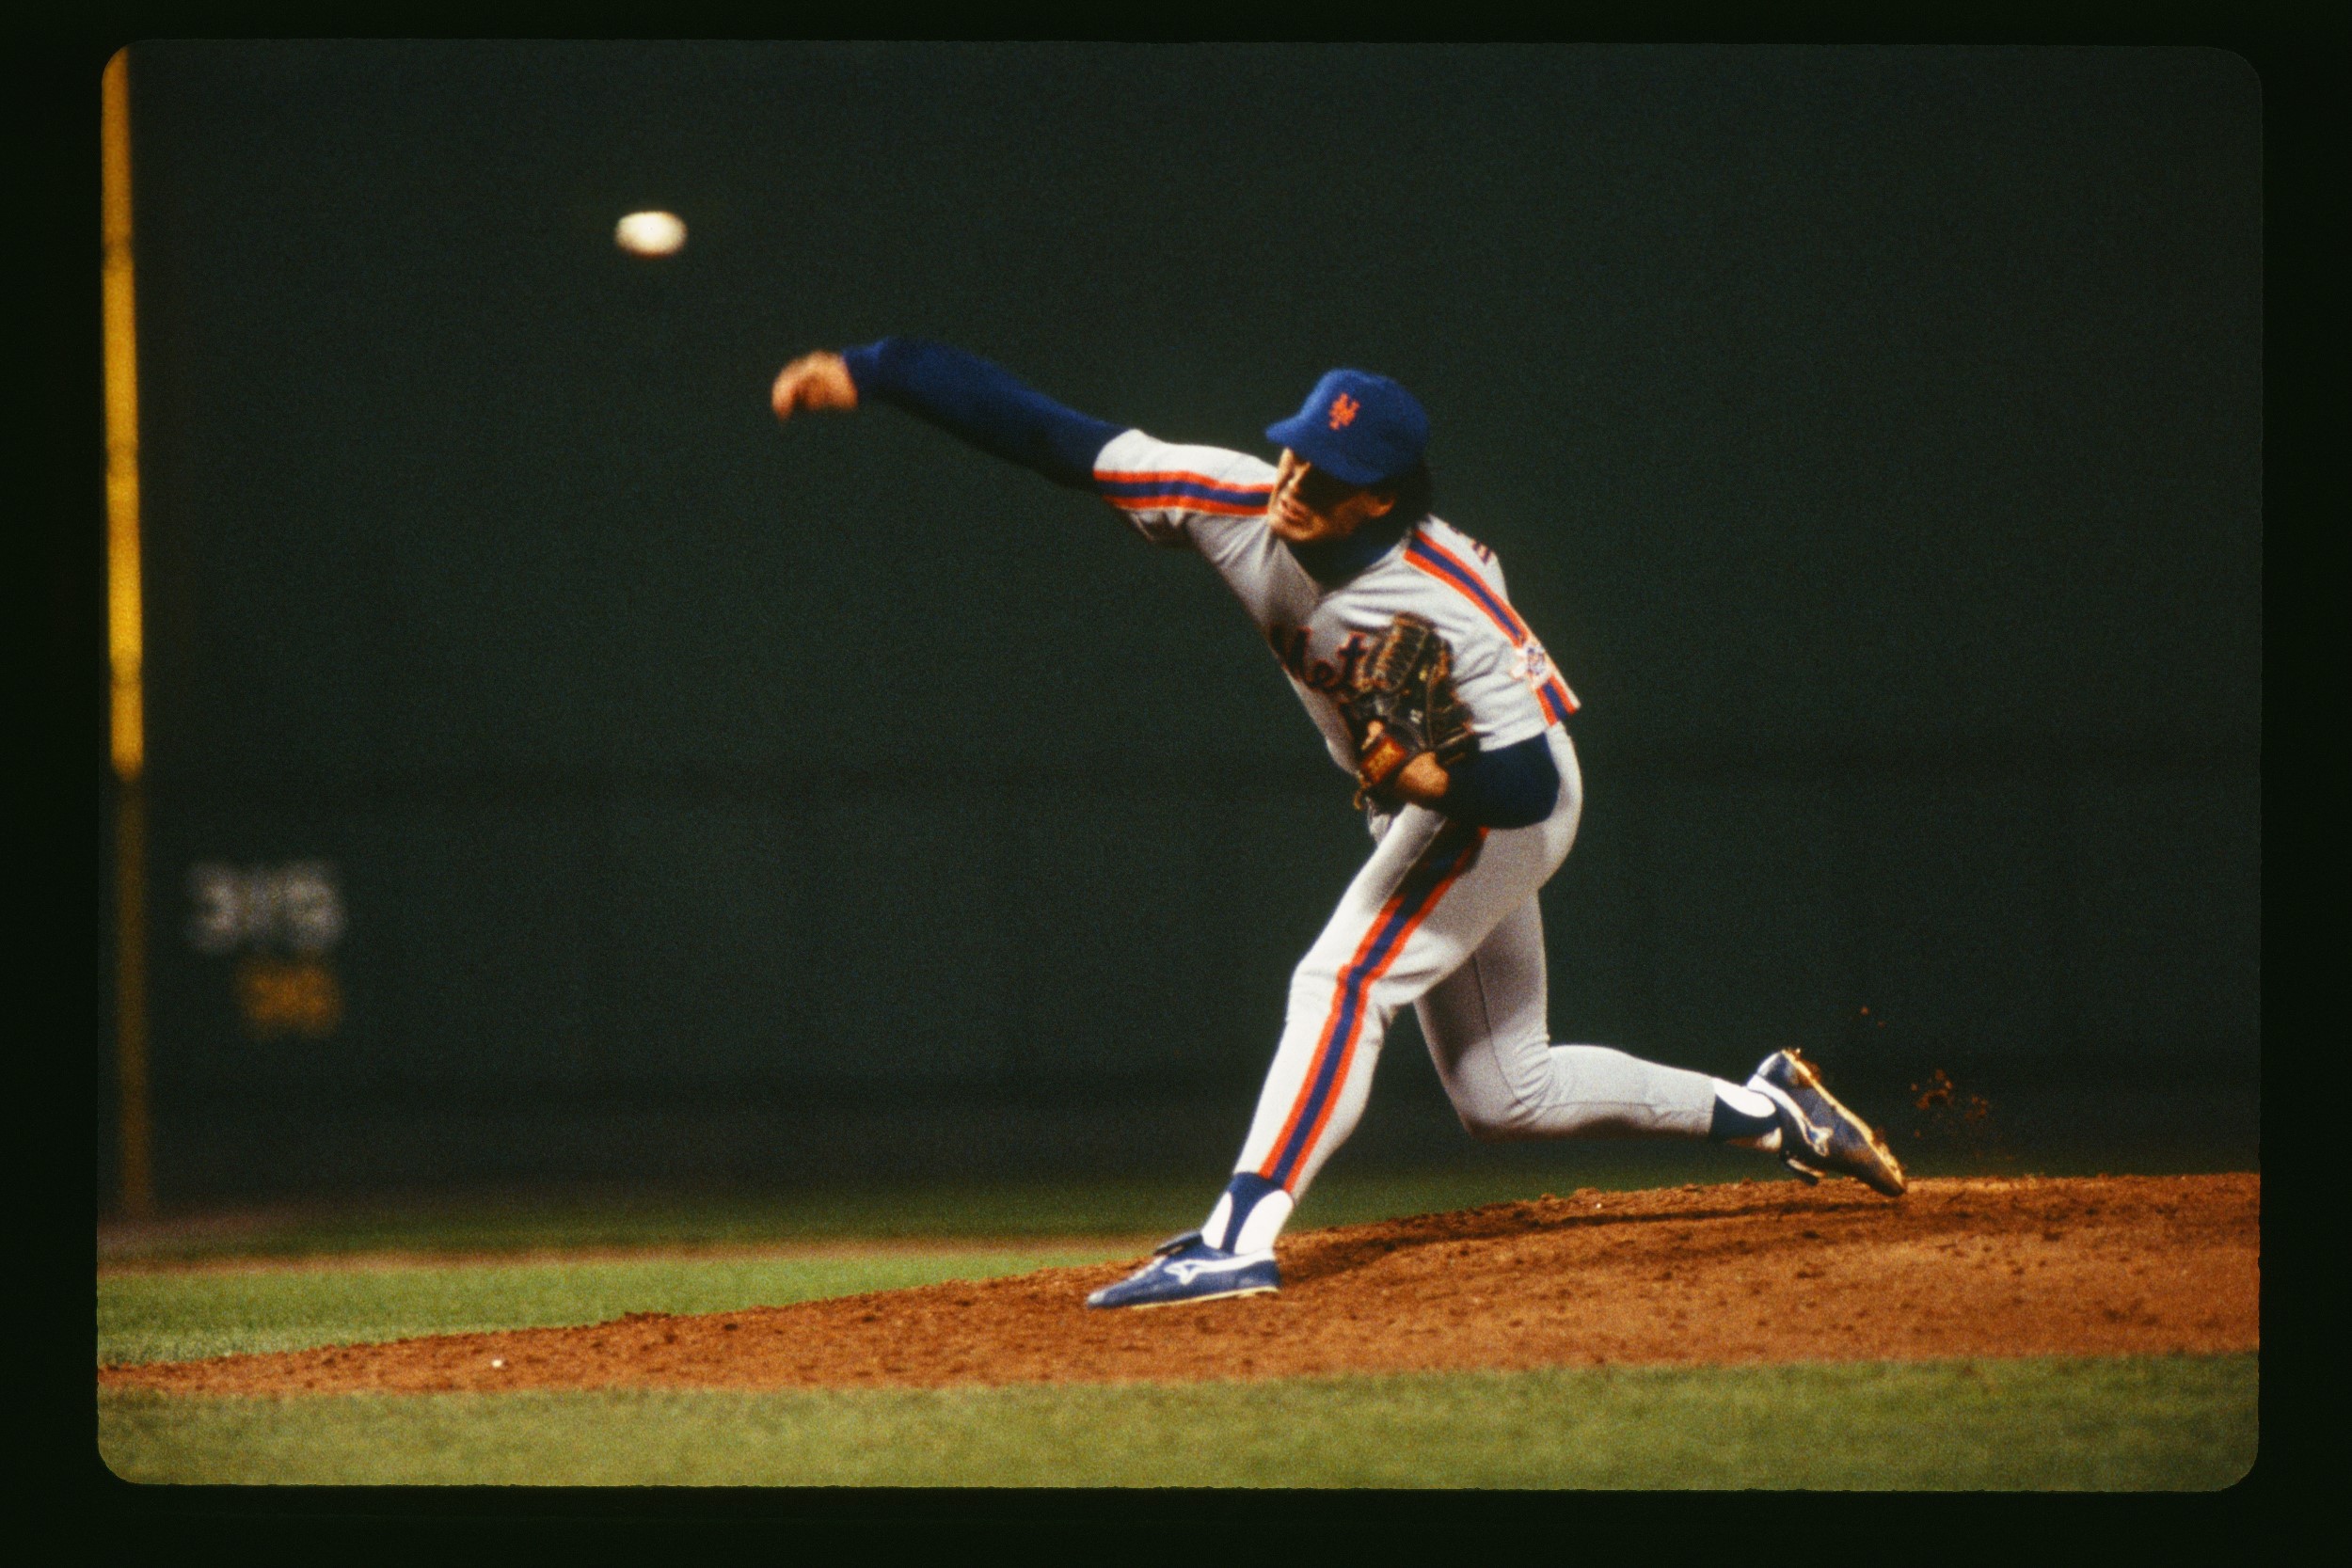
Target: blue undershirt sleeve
x=984, y=404
x=1514, y=786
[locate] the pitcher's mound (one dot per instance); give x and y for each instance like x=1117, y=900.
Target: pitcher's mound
x=1755, y=1271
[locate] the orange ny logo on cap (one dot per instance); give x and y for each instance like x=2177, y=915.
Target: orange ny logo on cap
x=1343, y=410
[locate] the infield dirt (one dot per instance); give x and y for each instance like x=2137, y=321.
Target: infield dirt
x=1749, y=1273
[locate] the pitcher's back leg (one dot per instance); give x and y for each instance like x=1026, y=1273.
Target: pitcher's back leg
x=1490, y=1039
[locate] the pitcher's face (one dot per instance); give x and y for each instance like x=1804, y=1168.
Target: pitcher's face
x=1310, y=507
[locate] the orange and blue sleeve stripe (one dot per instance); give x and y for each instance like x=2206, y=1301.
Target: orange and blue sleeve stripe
x=1438, y=561
x=1179, y=489
x=1459, y=575
x=1558, y=701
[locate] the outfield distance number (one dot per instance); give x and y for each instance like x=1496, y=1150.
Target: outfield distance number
x=282, y=921
x=296, y=908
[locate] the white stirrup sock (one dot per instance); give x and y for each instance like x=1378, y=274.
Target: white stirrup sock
x=1745, y=1117
x=1264, y=1208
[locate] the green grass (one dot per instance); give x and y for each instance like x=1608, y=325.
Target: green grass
x=2170, y=1423
x=183, y=1315
x=2160, y=1423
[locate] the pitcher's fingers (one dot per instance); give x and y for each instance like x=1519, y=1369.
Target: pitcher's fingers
x=784, y=395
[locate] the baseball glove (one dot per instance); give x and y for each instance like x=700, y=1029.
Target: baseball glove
x=1404, y=705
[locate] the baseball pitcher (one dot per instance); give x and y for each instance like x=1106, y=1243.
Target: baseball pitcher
x=1431, y=692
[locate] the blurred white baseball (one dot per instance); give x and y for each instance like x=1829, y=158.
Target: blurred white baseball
x=650, y=233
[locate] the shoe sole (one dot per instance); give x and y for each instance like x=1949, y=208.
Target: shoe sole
x=1188, y=1301
x=1812, y=1080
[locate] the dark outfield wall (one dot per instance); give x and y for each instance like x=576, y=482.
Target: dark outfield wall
x=1874, y=436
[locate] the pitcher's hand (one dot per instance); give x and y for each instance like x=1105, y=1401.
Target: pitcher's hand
x=817, y=383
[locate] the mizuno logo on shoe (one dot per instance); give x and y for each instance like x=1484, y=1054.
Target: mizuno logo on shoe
x=1816, y=1135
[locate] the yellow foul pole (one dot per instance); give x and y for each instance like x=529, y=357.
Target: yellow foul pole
x=123, y=645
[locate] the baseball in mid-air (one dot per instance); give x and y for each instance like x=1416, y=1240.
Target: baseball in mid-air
x=650, y=233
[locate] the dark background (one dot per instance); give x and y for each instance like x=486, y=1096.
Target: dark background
x=1873, y=435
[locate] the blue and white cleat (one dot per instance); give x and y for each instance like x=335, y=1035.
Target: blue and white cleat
x=1817, y=1135
x=1185, y=1268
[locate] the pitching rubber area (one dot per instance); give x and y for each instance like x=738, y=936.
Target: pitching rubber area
x=1748, y=1273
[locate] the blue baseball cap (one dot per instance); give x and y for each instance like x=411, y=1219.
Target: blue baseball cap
x=1357, y=426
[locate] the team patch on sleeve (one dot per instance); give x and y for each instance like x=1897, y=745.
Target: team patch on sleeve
x=1426, y=555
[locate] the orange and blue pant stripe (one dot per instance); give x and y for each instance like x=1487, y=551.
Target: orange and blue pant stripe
x=1438, y=866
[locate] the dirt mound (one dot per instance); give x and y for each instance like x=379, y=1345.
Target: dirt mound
x=1756, y=1272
